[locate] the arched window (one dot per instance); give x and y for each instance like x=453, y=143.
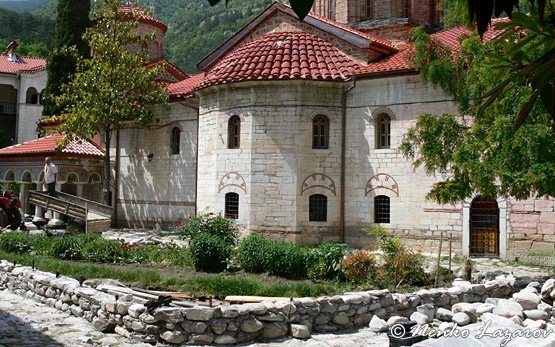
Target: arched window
x=318, y=208
x=320, y=132
x=381, y=209
x=234, y=132
x=331, y=9
x=175, y=140
x=232, y=205
x=383, y=133
x=32, y=96
x=369, y=9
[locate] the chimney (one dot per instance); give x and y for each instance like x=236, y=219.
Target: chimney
x=11, y=51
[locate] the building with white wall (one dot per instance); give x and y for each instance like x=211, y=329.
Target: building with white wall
x=22, y=82
x=293, y=129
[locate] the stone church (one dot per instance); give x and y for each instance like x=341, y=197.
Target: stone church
x=293, y=128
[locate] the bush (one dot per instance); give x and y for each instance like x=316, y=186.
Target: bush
x=67, y=247
x=16, y=242
x=210, y=252
x=211, y=224
x=98, y=250
x=359, y=267
x=326, y=261
x=254, y=253
x=259, y=254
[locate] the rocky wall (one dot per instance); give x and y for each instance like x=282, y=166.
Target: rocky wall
x=128, y=316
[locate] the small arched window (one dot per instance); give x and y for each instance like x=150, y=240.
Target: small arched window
x=331, y=9
x=318, y=208
x=175, y=140
x=381, y=209
x=234, y=132
x=369, y=9
x=320, y=132
x=32, y=96
x=383, y=133
x=232, y=205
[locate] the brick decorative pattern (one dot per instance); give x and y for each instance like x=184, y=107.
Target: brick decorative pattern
x=232, y=179
x=318, y=180
x=383, y=181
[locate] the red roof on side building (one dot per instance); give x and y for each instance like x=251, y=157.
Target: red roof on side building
x=282, y=56
x=23, y=65
x=49, y=145
x=399, y=61
x=185, y=87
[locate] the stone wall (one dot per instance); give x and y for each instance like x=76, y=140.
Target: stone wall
x=159, y=190
x=532, y=227
x=128, y=316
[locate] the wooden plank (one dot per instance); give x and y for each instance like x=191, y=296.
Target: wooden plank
x=252, y=299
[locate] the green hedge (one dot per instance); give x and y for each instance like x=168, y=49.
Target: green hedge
x=210, y=252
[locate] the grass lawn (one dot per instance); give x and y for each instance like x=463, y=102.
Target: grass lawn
x=173, y=278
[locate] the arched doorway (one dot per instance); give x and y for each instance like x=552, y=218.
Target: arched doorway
x=484, y=227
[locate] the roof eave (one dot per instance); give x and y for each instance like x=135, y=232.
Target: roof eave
x=387, y=73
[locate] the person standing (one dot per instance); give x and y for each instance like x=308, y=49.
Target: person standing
x=50, y=176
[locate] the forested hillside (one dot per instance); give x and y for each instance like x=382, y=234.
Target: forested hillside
x=33, y=32
x=22, y=5
x=194, y=27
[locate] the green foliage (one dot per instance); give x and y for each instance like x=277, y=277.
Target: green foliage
x=33, y=33
x=326, y=261
x=71, y=22
x=253, y=253
x=498, y=150
x=399, y=266
x=359, y=267
x=16, y=242
x=216, y=225
x=209, y=252
x=114, y=86
x=260, y=254
x=67, y=248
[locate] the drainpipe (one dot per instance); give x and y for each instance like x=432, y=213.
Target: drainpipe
x=17, y=99
x=343, y=154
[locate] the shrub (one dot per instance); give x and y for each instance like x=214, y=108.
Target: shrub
x=210, y=252
x=16, y=242
x=96, y=249
x=67, y=247
x=260, y=254
x=211, y=224
x=326, y=261
x=359, y=267
x=254, y=253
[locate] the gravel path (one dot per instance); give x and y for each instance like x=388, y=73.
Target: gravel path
x=27, y=323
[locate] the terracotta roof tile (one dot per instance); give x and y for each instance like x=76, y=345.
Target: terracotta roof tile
x=25, y=64
x=282, y=55
x=135, y=12
x=451, y=37
x=395, y=62
x=185, y=87
x=49, y=145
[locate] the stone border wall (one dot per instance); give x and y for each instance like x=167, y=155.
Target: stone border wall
x=231, y=324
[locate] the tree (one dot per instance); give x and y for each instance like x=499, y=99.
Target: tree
x=70, y=25
x=490, y=149
x=113, y=86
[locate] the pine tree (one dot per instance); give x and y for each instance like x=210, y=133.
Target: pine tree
x=71, y=23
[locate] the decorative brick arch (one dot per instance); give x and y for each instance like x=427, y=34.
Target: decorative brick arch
x=236, y=112
x=9, y=175
x=232, y=179
x=383, y=181
x=321, y=111
x=26, y=176
x=318, y=180
x=382, y=110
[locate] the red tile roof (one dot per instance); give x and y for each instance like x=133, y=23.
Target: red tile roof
x=451, y=37
x=170, y=68
x=134, y=12
x=282, y=56
x=25, y=64
x=399, y=61
x=185, y=87
x=49, y=145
